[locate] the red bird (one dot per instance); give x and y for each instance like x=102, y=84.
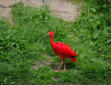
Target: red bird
x=61, y=49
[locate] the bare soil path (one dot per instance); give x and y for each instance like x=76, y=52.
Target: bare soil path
x=63, y=9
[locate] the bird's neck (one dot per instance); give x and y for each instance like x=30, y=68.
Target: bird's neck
x=52, y=42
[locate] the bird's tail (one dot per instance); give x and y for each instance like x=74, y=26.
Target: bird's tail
x=73, y=59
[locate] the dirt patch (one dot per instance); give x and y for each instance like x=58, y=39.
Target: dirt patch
x=48, y=61
x=63, y=9
x=45, y=62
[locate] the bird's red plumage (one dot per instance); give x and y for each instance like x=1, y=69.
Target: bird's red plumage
x=61, y=49
x=64, y=51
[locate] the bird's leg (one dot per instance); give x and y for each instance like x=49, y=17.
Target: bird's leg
x=60, y=66
x=64, y=66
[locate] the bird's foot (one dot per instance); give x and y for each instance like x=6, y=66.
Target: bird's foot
x=57, y=71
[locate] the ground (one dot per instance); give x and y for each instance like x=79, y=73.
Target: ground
x=63, y=9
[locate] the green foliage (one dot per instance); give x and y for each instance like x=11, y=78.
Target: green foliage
x=44, y=76
x=89, y=36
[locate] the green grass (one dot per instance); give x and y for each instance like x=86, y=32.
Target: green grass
x=89, y=36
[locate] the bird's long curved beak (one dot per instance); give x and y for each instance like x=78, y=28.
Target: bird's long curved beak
x=44, y=37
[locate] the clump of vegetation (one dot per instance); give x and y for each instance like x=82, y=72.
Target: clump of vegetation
x=89, y=36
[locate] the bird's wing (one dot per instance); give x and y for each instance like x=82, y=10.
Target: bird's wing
x=64, y=49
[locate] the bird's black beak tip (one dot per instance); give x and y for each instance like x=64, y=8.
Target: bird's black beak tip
x=43, y=38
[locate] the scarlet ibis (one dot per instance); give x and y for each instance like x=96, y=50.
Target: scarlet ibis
x=61, y=49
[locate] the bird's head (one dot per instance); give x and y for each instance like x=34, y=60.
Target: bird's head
x=50, y=34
